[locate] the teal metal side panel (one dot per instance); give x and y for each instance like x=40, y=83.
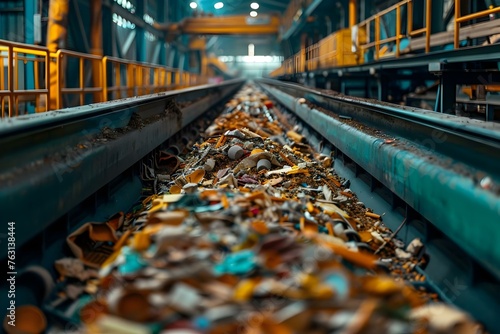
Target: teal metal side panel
x=454, y=203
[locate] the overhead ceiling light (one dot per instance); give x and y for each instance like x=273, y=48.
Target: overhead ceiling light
x=253, y=13
x=193, y=5
x=219, y=5
x=254, y=5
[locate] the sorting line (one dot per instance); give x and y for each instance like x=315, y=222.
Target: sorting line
x=253, y=233
x=457, y=134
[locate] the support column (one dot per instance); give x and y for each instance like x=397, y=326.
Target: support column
x=57, y=31
x=353, y=13
x=382, y=89
x=96, y=44
x=140, y=37
x=448, y=95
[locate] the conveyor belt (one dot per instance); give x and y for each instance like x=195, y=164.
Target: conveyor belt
x=291, y=246
x=59, y=158
x=434, y=162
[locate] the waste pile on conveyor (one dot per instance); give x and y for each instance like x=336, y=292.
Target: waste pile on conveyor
x=253, y=233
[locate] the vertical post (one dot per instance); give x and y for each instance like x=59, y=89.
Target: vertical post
x=130, y=79
x=2, y=76
x=377, y=37
x=353, y=13
x=59, y=61
x=457, y=24
x=428, y=24
x=410, y=17
x=96, y=45
x=448, y=94
x=10, y=85
x=118, y=80
x=82, y=81
x=177, y=78
x=156, y=80
x=398, y=30
x=169, y=79
x=104, y=82
x=140, y=82
x=50, y=91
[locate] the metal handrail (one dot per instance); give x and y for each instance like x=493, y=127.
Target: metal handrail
x=460, y=19
x=314, y=59
x=61, y=56
x=12, y=92
x=142, y=78
x=398, y=36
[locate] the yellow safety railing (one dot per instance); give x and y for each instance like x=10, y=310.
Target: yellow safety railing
x=461, y=19
x=299, y=62
x=312, y=57
x=332, y=51
x=197, y=80
x=374, y=22
x=99, y=78
x=288, y=64
x=124, y=78
x=88, y=66
x=14, y=59
x=323, y=54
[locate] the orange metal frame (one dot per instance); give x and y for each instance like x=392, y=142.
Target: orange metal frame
x=85, y=62
x=314, y=54
x=461, y=19
x=9, y=89
x=366, y=24
x=140, y=78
